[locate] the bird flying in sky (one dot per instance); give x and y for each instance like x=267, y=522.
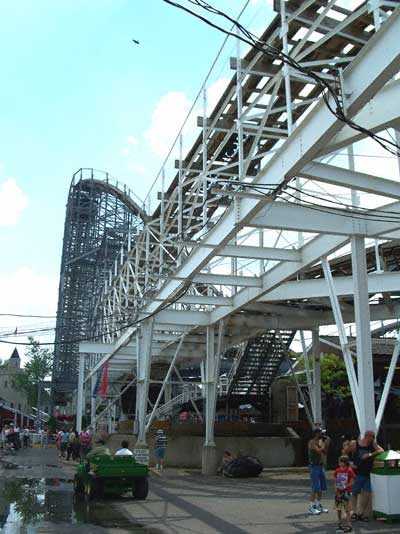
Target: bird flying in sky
x=135, y=41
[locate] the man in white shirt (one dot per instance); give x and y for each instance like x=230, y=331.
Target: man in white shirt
x=124, y=451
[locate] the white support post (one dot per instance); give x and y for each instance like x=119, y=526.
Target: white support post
x=209, y=457
x=79, y=402
x=347, y=356
x=286, y=72
x=365, y=371
x=317, y=401
x=92, y=403
x=171, y=367
x=180, y=198
x=204, y=151
x=210, y=385
x=388, y=383
x=143, y=378
x=162, y=222
x=310, y=380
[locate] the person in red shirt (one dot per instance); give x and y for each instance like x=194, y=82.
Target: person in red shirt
x=344, y=477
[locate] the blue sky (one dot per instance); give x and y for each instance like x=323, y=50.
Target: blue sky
x=76, y=92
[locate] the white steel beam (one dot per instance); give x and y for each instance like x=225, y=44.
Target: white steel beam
x=376, y=116
x=378, y=61
x=143, y=378
x=260, y=253
x=300, y=218
x=227, y=280
x=365, y=369
x=316, y=390
x=81, y=385
x=318, y=219
x=355, y=180
x=385, y=282
x=251, y=252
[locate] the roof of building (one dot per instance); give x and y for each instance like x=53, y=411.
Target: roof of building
x=15, y=355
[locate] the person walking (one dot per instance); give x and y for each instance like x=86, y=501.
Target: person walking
x=26, y=437
x=317, y=454
x=124, y=451
x=85, y=440
x=363, y=450
x=344, y=478
x=64, y=438
x=160, y=448
x=71, y=438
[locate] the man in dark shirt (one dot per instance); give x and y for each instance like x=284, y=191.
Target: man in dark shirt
x=363, y=450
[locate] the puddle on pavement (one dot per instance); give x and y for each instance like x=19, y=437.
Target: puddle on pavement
x=36, y=506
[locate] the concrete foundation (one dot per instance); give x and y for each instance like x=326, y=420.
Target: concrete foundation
x=187, y=451
x=209, y=460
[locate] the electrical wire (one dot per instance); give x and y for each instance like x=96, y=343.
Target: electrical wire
x=275, y=54
x=167, y=304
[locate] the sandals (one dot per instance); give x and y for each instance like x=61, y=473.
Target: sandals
x=344, y=528
x=359, y=517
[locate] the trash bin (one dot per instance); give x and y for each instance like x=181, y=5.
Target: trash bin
x=385, y=479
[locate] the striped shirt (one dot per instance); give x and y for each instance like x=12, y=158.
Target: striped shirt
x=161, y=441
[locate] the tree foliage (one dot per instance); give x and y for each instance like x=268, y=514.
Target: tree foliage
x=37, y=368
x=334, y=376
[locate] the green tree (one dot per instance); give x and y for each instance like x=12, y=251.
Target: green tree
x=334, y=376
x=37, y=368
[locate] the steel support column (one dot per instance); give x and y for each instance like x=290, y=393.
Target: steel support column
x=365, y=371
x=316, y=391
x=143, y=377
x=79, y=402
x=93, y=403
x=209, y=459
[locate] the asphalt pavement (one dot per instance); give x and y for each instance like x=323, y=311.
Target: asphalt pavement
x=36, y=496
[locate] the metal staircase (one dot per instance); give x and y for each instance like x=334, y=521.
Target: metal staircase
x=259, y=362
x=253, y=370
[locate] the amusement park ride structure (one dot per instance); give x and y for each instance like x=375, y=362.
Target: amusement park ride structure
x=257, y=185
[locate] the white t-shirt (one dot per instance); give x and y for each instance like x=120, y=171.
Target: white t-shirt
x=124, y=452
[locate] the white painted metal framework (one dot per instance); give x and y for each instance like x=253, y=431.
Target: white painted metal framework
x=219, y=261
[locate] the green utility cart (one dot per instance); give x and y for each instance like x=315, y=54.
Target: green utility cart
x=385, y=479
x=111, y=475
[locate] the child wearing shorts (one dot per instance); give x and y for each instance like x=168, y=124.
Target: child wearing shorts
x=344, y=477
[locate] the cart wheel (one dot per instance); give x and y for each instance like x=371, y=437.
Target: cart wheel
x=140, y=488
x=90, y=490
x=78, y=485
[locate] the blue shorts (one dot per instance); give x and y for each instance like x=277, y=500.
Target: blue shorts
x=160, y=452
x=318, y=479
x=362, y=482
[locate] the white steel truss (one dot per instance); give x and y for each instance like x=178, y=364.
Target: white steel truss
x=217, y=250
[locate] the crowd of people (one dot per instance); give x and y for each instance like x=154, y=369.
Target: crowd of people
x=13, y=438
x=74, y=445
x=352, y=478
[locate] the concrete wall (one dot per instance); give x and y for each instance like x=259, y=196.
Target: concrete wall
x=186, y=450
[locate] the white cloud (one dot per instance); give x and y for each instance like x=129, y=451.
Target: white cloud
x=26, y=292
x=169, y=114
x=125, y=152
x=12, y=202
x=215, y=91
x=167, y=118
x=132, y=140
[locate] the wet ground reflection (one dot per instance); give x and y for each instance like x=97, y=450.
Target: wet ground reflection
x=36, y=506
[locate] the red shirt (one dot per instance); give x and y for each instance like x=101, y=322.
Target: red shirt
x=343, y=478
